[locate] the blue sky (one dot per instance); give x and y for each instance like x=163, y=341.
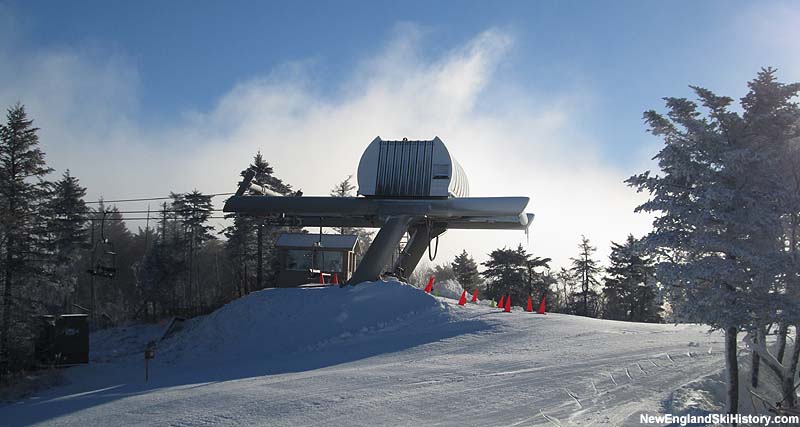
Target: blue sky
x=189, y=53
x=164, y=78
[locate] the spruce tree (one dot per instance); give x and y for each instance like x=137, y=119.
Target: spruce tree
x=466, y=271
x=68, y=233
x=163, y=267
x=240, y=250
x=504, y=271
x=346, y=189
x=265, y=176
x=23, y=192
x=586, y=268
x=722, y=201
x=193, y=211
x=514, y=272
x=242, y=235
x=629, y=285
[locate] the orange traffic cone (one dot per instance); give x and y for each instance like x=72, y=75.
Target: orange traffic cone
x=335, y=279
x=463, y=299
x=500, y=303
x=508, y=304
x=541, y=306
x=321, y=278
x=429, y=288
x=475, y=295
x=529, y=308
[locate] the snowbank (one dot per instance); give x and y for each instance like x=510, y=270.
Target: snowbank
x=706, y=395
x=448, y=289
x=283, y=321
x=709, y=394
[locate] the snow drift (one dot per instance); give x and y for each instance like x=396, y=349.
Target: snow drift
x=448, y=289
x=291, y=320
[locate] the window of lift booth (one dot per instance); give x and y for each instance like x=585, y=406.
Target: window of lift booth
x=298, y=260
x=328, y=261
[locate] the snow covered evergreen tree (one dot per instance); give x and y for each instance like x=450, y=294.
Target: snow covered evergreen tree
x=242, y=235
x=23, y=192
x=772, y=129
x=719, y=234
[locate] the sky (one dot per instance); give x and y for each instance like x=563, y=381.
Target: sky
x=541, y=99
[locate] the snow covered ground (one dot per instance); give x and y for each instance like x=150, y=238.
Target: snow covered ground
x=377, y=354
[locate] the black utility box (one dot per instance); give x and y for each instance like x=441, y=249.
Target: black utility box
x=63, y=340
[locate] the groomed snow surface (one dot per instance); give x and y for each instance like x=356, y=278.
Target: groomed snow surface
x=381, y=353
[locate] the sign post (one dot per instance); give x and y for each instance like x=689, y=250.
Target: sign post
x=149, y=353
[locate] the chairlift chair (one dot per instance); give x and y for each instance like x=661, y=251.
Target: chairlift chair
x=105, y=259
x=104, y=254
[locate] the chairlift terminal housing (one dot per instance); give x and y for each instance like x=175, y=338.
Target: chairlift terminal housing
x=411, y=169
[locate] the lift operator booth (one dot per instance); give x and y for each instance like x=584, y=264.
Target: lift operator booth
x=301, y=255
x=413, y=187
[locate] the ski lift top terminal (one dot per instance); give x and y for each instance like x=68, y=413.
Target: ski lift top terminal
x=413, y=169
x=413, y=187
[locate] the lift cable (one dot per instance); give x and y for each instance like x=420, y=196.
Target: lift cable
x=123, y=219
x=151, y=211
x=145, y=199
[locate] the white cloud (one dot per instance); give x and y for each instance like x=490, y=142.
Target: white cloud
x=769, y=34
x=518, y=145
